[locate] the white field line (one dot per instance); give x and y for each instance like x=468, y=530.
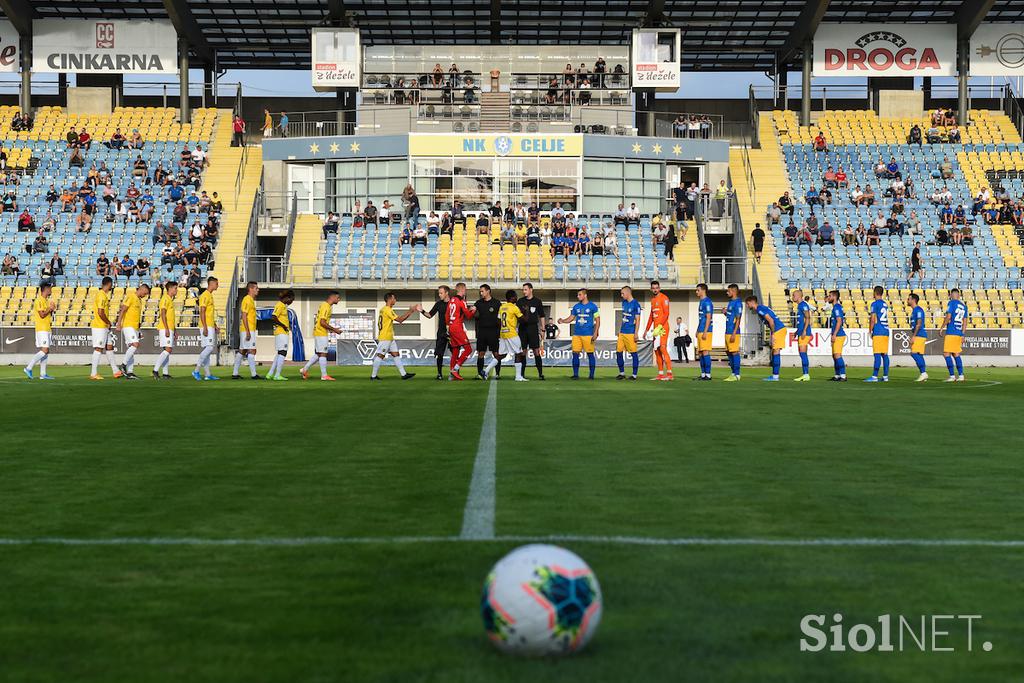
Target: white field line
x=301, y=541
x=478, y=516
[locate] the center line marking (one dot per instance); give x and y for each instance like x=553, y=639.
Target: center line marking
x=478, y=517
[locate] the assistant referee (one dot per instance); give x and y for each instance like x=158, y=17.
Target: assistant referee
x=530, y=325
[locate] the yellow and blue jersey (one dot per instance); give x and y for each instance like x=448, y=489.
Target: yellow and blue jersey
x=803, y=319
x=766, y=314
x=838, y=316
x=916, y=317
x=585, y=314
x=733, y=314
x=705, y=311
x=631, y=312
x=880, y=309
x=957, y=311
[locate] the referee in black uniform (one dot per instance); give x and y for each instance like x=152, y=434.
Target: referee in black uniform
x=486, y=317
x=444, y=293
x=530, y=325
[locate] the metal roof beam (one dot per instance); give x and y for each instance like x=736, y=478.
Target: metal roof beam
x=20, y=14
x=803, y=29
x=969, y=16
x=188, y=29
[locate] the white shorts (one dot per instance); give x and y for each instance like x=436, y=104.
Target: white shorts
x=130, y=336
x=246, y=345
x=509, y=347
x=166, y=338
x=385, y=347
x=207, y=340
x=42, y=340
x=320, y=344
x=100, y=337
x=280, y=342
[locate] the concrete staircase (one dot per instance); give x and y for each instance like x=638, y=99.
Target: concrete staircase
x=220, y=177
x=687, y=256
x=770, y=180
x=494, y=112
x=305, y=248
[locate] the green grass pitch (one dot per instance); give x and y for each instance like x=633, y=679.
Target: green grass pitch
x=372, y=463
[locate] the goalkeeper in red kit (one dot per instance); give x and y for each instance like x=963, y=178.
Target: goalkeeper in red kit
x=456, y=314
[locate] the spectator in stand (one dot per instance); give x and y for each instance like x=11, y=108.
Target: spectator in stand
x=829, y=178
x=633, y=215
x=238, y=131
x=820, y=144
x=946, y=169
x=933, y=136
x=458, y=214
x=804, y=236
x=127, y=267
x=49, y=222
x=142, y=268
x=370, y=215
x=827, y=234
x=192, y=202
x=447, y=225
x=812, y=197
x=282, y=124
x=56, y=264
x=200, y=159
x=76, y=159
x=136, y=141
x=11, y=266
x=419, y=234
x=915, y=138
x=25, y=222
x=433, y=222
x=117, y=140
x=949, y=119
x=786, y=203
x=841, y=179
x=175, y=193
x=39, y=245
x=84, y=139
x=942, y=237
x=953, y=135
x=72, y=137
x=790, y=232
x=892, y=169
x=102, y=265
x=873, y=236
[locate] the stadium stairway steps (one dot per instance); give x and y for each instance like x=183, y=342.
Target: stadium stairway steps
x=768, y=169
x=494, y=112
x=687, y=256
x=305, y=251
x=220, y=177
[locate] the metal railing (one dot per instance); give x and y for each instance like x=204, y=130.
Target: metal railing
x=755, y=118
x=292, y=214
x=240, y=175
x=748, y=171
x=724, y=270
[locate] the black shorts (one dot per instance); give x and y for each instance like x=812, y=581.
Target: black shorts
x=529, y=337
x=440, y=346
x=487, y=340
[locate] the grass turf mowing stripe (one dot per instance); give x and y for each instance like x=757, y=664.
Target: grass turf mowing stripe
x=478, y=517
x=560, y=538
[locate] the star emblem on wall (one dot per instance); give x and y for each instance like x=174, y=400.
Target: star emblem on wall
x=677, y=149
x=334, y=148
x=637, y=148
x=354, y=147
x=314, y=148
x=656, y=149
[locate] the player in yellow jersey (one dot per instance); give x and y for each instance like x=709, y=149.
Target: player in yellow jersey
x=42, y=316
x=166, y=324
x=129, y=320
x=247, y=332
x=101, y=341
x=322, y=328
x=282, y=332
x=386, y=344
x=208, y=330
x=509, y=344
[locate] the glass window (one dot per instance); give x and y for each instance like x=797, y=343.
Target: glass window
x=634, y=170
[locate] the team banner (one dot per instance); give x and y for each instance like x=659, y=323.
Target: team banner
x=858, y=343
x=134, y=46
x=484, y=145
x=22, y=340
x=336, y=59
x=9, y=42
x=860, y=50
x=557, y=353
x=998, y=50
x=976, y=343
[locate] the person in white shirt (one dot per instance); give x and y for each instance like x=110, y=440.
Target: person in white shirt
x=611, y=243
x=682, y=341
x=633, y=214
x=199, y=156
x=545, y=234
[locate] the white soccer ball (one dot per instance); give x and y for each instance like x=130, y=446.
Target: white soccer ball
x=541, y=600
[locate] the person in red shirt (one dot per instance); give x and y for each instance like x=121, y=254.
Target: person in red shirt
x=238, y=126
x=819, y=143
x=841, y=180
x=456, y=314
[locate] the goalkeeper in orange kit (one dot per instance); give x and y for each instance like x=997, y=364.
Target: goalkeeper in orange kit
x=659, y=321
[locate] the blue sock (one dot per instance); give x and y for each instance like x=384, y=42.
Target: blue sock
x=736, y=364
x=949, y=365
x=575, y=365
x=805, y=362
x=878, y=363
x=592, y=362
x=960, y=365
x=835, y=366
x=885, y=364
x=919, y=359
x=620, y=359
x=841, y=366
x=636, y=364
x=707, y=364
x=776, y=364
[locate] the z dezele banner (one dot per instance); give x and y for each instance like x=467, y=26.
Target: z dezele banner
x=135, y=46
x=557, y=353
x=22, y=340
x=864, y=50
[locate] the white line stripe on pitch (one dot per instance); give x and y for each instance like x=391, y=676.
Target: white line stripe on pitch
x=478, y=517
x=606, y=540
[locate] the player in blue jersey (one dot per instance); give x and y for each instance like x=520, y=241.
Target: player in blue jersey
x=918, y=336
x=587, y=320
x=880, y=335
x=777, y=332
x=837, y=328
x=953, y=345
x=631, y=312
x=705, y=312
x=733, y=316
x=803, y=333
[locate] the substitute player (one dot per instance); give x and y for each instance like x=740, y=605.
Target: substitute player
x=918, y=336
x=485, y=312
x=166, y=324
x=880, y=335
x=509, y=319
x=100, y=325
x=207, y=332
x=631, y=313
x=705, y=313
x=456, y=316
x=321, y=329
x=733, y=316
x=129, y=320
x=953, y=344
x=42, y=316
x=386, y=344
x=444, y=293
x=247, y=333
x=776, y=330
x=837, y=327
x=530, y=327
x=803, y=333
x=282, y=333
x=660, y=306
x=587, y=321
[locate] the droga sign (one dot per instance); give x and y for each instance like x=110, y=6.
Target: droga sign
x=136, y=46
x=859, y=50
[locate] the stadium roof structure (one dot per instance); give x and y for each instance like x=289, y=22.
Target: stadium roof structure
x=726, y=35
